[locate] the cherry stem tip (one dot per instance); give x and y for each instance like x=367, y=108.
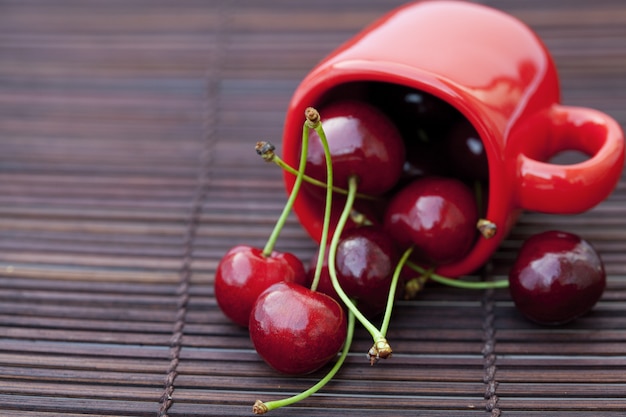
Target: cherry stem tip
x=312, y=117
x=266, y=150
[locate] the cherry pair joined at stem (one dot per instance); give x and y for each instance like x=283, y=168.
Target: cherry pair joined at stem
x=248, y=281
x=282, y=308
x=245, y=272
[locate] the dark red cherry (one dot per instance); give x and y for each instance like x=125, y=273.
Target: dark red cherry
x=416, y=112
x=556, y=277
x=424, y=159
x=435, y=214
x=296, y=330
x=365, y=260
x=244, y=273
x=467, y=152
x=363, y=142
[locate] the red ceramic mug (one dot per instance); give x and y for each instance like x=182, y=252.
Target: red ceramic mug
x=498, y=74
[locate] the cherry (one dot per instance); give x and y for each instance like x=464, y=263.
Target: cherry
x=365, y=262
x=417, y=113
x=261, y=407
x=296, y=330
x=438, y=215
x=467, y=152
x=245, y=272
x=423, y=121
x=556, y=277
x=366, y=259
x=424, y=158
x=363, y=142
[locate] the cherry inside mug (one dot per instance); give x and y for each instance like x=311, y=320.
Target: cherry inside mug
x=492, y=71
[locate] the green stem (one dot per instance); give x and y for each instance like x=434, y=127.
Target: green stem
x=459, y=283
x=327, y=208
x=345, y=214
x=261, y=407
x=391, y=298
x=271, y=242
x=281, y=163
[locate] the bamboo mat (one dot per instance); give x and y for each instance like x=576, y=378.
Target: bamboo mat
x=127, y=169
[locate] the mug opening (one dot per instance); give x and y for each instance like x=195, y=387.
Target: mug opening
x=439, y=139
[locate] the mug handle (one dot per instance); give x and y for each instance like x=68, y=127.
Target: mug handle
x=574, y=188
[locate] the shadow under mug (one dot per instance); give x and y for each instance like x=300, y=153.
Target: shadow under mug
x=498, y=74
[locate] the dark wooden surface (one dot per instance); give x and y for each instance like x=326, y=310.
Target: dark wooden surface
x=127, y=169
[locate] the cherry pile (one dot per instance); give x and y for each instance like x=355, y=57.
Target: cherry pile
x=399, y=180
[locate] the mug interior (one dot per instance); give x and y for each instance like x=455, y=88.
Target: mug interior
x=438, y=139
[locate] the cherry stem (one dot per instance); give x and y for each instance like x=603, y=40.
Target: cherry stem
x=392, y=290
x=313, y=122
x=271, y=242
x=459, y=283
x=281, y=163
x=262, y=408
x=379, y=338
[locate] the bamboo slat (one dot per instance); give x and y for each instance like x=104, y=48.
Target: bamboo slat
x=127, y=169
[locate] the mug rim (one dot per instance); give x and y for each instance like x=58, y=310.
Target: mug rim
x=321, y=82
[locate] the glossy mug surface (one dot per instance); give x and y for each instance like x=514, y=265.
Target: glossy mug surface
x=499, y=75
